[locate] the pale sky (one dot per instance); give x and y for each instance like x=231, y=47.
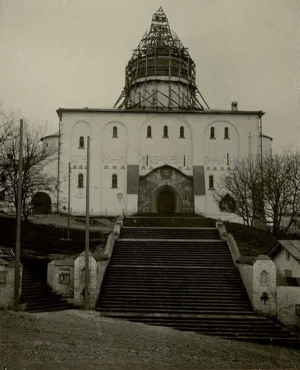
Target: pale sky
x=73, y=53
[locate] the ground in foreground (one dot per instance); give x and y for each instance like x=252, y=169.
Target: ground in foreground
x=84, y=340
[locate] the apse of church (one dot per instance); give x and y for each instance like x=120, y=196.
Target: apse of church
x=161, y=149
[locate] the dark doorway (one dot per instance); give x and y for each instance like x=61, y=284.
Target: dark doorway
x=166, y=202
x=41, y=203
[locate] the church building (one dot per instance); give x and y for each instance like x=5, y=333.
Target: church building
x=161, y=149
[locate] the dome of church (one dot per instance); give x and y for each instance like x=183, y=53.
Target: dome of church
x=160, y=74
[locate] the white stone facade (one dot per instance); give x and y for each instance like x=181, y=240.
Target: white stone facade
x=198, y=144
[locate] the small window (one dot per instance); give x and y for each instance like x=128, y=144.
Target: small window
x=287, y=255
x=81, y=142
x=288, y=273
x=181, y=132
x=227, y=159
x=114, y=181
x=226, y=133
x=166, y=134
x=149, y=131
x=264, y=278
x=80, y=180
x=115, y=132
x=211, y=182
x=212, y=133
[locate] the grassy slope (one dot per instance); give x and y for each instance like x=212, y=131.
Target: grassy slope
x=47, y=236
x=251, y=241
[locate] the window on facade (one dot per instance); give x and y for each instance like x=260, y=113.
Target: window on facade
x=264, y=278
x=211, y=182
x=149, y=131
x=115, y=131
x=80, y=180
x=166, y=132
x=81, y=142
x=288, y=273
x=114, y=181
x=226, y=133
x=212, y=133
x=227, y=159
x=181, y=132
x=287, y=255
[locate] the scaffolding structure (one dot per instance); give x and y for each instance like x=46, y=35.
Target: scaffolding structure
x=160, y=74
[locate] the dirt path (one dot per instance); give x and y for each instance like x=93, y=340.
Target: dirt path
x=83, y=340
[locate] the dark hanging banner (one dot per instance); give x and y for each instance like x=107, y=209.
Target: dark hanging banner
x=132, y=179
x=199, y=180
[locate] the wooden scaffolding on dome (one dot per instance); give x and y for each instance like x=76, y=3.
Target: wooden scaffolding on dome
x=161, y=57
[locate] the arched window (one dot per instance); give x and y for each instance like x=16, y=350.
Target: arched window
x=226, y=133
x=166, y=132
x=114, y=181
x=80, y=180
x=181, y=132
x=115, y=132
x=149, y=131
x=264, y=278
x=211, y=182
x=81, y=142
x=212, y=133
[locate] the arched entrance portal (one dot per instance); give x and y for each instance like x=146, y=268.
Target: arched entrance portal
x=166, y=202
x=41, y=203
x=166, y=190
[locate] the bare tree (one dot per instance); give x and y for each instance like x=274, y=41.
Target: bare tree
x=263, y=189
x=35, y=157
x=237, y=191
x=281, y=190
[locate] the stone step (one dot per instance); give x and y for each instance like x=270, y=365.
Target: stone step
x=184, y=279
x=38, y=295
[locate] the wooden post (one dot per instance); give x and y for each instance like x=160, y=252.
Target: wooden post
x=69, y=201
x=18, y=226
x=87, y=228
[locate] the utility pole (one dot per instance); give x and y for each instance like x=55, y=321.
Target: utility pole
x=69, y=201
x=18, y=226
x=87, y=228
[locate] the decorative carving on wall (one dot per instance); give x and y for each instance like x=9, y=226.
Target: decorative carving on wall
x=166, y=173
x=159, y=160
x=216, y=160
x=113, y=160
x=150, y=184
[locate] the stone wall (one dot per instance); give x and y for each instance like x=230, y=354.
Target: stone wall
x=264, y=286
x=287, y=298
x=258, y=275
x=7, y=280
x=102, y=265
x=246, y=272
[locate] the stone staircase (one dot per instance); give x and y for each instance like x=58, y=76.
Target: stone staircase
x=38, y=295
x=182, y=278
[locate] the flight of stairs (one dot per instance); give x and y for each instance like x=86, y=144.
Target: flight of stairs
x=182, y=278
x=38, y=295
